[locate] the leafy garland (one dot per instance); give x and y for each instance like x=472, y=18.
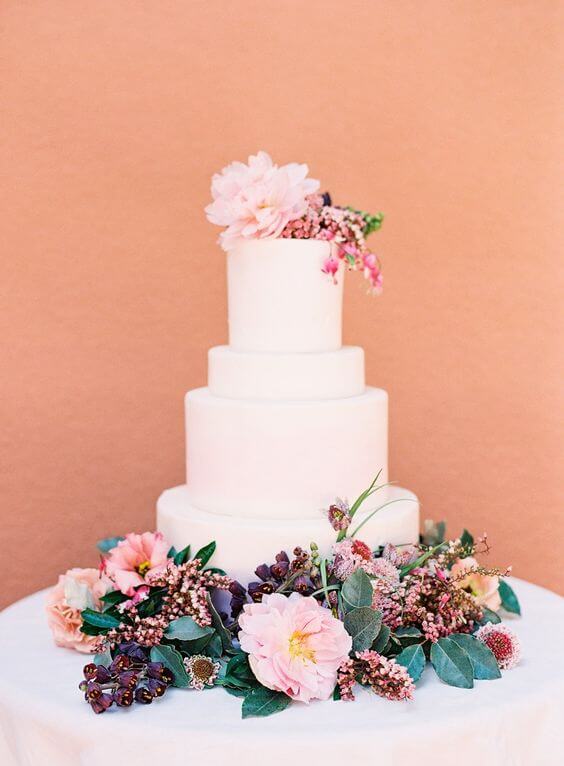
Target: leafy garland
x=160, y=641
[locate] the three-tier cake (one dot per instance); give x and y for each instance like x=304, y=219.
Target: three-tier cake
x=286, y=422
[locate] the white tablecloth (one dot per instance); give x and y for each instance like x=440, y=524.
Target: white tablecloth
x=515, y=720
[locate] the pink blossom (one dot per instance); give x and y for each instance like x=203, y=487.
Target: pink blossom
x=503, y=642
x=351, y=555
x=76, y=590
x=295, y=645
x=258, y=200
x=129, y=563
x=331, y=266
x=483, y=587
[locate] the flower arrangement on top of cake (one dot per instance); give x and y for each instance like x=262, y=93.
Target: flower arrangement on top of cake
x=261, y=200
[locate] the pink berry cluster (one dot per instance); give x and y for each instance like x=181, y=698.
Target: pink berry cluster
x=347, y=229
x=187, y=587
x=384, y=676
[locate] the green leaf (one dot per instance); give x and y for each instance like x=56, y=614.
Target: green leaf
x=336, y=694
x=205, y=553
x=152, y=604
x=217, y=622
x=99, y=619
x=381, y=640
x=187, y=629
x=197, y=645
x=216, y=570
x=114, y=597
x=363, y=625
x=172, y=659
x=509, y=600
x=105, y=658
x=182, y=556
x=467, y=541
x=106, y=545
x=357, y=590
x=413, y=660
x=260, y=702
x=239, y=670
x=235, y=692
x=214, y=647
x=484, y=664
x=452, y=664
x=490, y=616
x=410, y=631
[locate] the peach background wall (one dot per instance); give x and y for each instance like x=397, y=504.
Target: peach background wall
x=445, y=115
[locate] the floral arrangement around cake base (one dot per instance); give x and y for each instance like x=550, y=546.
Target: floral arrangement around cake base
x=261, y=200
x=309, y=628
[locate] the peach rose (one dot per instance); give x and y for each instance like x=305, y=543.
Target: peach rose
x=483, y=587
x=76, y=590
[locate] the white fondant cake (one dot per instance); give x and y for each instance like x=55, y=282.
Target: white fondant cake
x=286, y=424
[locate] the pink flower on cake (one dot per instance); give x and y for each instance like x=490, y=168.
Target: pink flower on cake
x=295, y=645
x=76, y=590
x=503, y=642
x=258, y=200
x=351, y=555
x=483, y=587
x=136, y=557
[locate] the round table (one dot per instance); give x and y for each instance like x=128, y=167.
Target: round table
x=515, y=720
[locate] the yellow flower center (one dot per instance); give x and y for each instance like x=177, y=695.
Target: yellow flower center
x=143, y=568
x=299, y=648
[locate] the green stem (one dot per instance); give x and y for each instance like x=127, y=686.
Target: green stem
x=371, y=514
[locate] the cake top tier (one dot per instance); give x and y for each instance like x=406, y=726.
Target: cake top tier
x=261, y=201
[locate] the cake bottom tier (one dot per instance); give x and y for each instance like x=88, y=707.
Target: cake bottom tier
x=244, y=543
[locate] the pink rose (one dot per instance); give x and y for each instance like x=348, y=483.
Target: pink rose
x=483, y=587
x=295, y=645
x=129, y=563
x=257, y=200
x=76, y=590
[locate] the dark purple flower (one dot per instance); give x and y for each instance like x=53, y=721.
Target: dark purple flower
x=119, y=664
x=259, y=589
x=156, y=687
x=167, y=676
x=102, y=703
x=93, y=691
x=123, y=697
x=143, y=695
x=128, y=679
x=302, y=585
x=134, y=651
x=103, y=675
x=90, y=671
x=263, y=572
x=155, y=670
x=279, y=569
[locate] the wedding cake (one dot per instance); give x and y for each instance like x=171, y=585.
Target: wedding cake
x=286, y=422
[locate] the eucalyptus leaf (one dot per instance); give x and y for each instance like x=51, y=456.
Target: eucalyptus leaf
x=413, y=659
x=236, y=692
x=382, y=639
x=214, y=647
x=484, y=663
x=187, y=629
x=106, y=545
x=217, y=622
x=99, y=619
x=104, y=658
x=452, y=664
x=509, y=600
x=172, y=659
x=357, y=590
x=490, y=616
x=205, y=553
x=363, y=625
x=260, y=702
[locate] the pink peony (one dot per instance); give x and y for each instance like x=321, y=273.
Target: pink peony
x=129, y=563
x=76, y=590
x=295, y=645
x=483, y=587
x=258, y=200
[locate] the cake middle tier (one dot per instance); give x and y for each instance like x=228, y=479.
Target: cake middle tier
x=283, y=459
